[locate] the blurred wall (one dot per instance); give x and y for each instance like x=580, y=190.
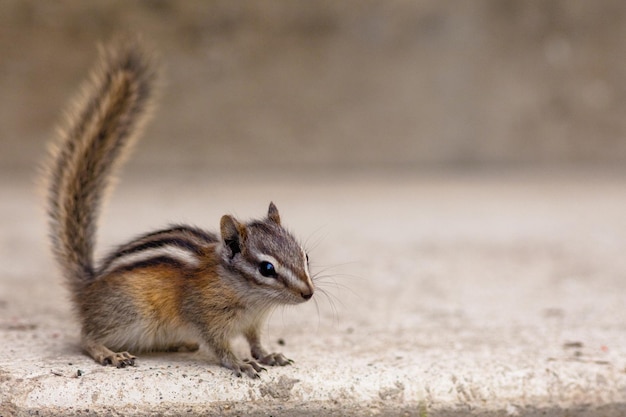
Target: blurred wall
x=309, y=84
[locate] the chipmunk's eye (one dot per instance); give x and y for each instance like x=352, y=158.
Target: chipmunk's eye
x=267, y=269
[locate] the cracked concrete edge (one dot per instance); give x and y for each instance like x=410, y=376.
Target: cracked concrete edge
x=331, y=409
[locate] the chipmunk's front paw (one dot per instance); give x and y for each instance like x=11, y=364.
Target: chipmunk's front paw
x=275, y=359
x=248, y=367
x=119, y=360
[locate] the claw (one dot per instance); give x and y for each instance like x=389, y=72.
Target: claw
x=255, y=365
x=275, y=359
x=249, y=367
x=119, y=360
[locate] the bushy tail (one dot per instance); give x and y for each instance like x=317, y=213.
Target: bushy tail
x=100, y=125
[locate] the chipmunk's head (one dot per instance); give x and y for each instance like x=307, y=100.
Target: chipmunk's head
x=267, y=258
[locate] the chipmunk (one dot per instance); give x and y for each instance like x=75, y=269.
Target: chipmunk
x=176, y=287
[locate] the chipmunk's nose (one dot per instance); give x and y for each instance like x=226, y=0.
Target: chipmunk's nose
x=307, y=294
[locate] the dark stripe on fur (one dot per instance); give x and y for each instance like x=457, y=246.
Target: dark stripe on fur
x=149, y=263
x=188, y=238
x=153, y=244
x=193, y=231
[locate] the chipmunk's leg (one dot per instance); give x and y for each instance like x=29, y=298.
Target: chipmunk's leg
x=104, y=356
x=253, y=336
x=220, y=345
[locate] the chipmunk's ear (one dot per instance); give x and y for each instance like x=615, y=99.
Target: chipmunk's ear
x=272, y=214
x=233, y=234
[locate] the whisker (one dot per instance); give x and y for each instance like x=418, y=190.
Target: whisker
x=330, y=281
x=331, y=266
x=320, y=238
x=317, y=309
x=331, y=301
x=333, y=277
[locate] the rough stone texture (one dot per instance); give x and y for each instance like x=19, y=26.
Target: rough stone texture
x=445, y=296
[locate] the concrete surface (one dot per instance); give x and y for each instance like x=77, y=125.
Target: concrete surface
x=447, y=295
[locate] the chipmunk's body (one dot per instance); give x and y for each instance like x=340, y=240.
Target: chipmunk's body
x=177, y=287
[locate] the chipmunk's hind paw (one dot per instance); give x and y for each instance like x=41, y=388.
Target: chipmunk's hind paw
x=119, y=360
x=105, y=356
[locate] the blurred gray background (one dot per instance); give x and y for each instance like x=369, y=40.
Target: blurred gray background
x=317, y=85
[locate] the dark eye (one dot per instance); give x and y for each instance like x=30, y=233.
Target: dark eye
x=267, y=269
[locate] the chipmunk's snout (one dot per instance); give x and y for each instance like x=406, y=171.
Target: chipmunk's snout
x=308, y=292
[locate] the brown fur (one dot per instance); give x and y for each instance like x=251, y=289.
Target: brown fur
x=168, y=289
